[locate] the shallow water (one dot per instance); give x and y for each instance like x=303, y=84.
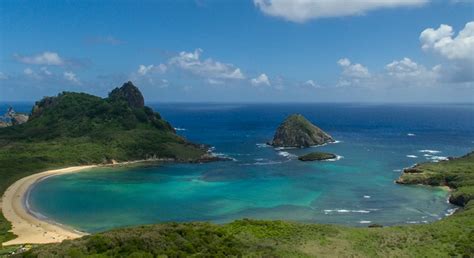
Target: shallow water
x=375, y=143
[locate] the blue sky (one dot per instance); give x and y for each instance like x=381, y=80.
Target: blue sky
x=241, y=51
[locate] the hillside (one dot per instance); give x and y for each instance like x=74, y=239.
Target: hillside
x=77, y=128
x=450, y=237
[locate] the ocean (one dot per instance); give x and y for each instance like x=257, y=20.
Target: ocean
x=374, y=143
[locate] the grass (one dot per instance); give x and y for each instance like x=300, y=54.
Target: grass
x=450, y=237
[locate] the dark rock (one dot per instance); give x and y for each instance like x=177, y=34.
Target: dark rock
x=42, y=105
x=297, y=131
x=375, y=226
x=130, y=93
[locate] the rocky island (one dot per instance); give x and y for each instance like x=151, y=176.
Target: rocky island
x=297, y=131
x=317, y=156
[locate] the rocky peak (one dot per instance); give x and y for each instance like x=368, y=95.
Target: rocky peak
x=129, y=93
x=297, y=131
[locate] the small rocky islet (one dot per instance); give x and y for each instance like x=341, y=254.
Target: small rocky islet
x=298, y=132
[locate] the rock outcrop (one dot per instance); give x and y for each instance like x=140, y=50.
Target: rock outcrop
x=297, y=131
x=130, y=93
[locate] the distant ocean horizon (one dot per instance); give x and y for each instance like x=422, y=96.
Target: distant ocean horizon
x=375, y=142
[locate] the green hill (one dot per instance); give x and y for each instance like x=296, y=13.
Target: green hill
x=77, y=128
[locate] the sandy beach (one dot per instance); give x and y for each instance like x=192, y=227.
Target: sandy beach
x=28, y=228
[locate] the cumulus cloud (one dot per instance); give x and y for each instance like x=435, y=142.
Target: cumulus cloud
x=303, y=10
x=145, y=69
x=353, y=70
x=311, y=83
x=262, y=79
x=208, y=68
x=409, y=71
x=45, y=58
x=70, y=76
x=457, y=51
x=442, y=42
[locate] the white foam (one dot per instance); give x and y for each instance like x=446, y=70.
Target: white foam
x=429, y=151
x=411, y=134
x=412, y=156
x=335, y=142
x=286, y=154
x=365, y=221
x=335, y=159
x=345, y=211
x=284, y=148
x=223, y=155
x=367, y=196
x=450, y=212
x=413, y=222
x=427, y=155
x=180, y=129
x=438, y=158
x=262, y=145
x=397, y=170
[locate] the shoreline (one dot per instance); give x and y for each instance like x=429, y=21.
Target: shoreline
x=28, y=227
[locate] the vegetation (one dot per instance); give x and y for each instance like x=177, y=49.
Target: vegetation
x=77, y=128
x=450, y=237
x=74, y=128
x=457, y=173
x=317, y=156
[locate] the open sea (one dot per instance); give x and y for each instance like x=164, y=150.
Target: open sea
x=374, y=143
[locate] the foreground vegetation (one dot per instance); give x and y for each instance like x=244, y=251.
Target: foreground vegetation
x=451, y=236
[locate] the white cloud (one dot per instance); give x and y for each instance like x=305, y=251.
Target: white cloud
x=45, y=58
x=70, y=76
x=353, y=70
x=208, y=68
x=408, y=70
x=303, y=10
x=311, y=83
x=441, y=41
x=262, y=79
x=144, y=69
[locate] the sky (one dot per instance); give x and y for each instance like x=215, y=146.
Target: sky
x=386, y=51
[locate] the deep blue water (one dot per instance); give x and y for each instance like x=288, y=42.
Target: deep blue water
x=375, y=143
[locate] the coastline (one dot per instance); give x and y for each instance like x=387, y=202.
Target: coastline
x=27, y=227
x=31, y=229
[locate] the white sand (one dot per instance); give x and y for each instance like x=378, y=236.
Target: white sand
x=27, y=227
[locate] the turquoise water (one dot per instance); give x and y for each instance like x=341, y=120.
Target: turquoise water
x=375, y=143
